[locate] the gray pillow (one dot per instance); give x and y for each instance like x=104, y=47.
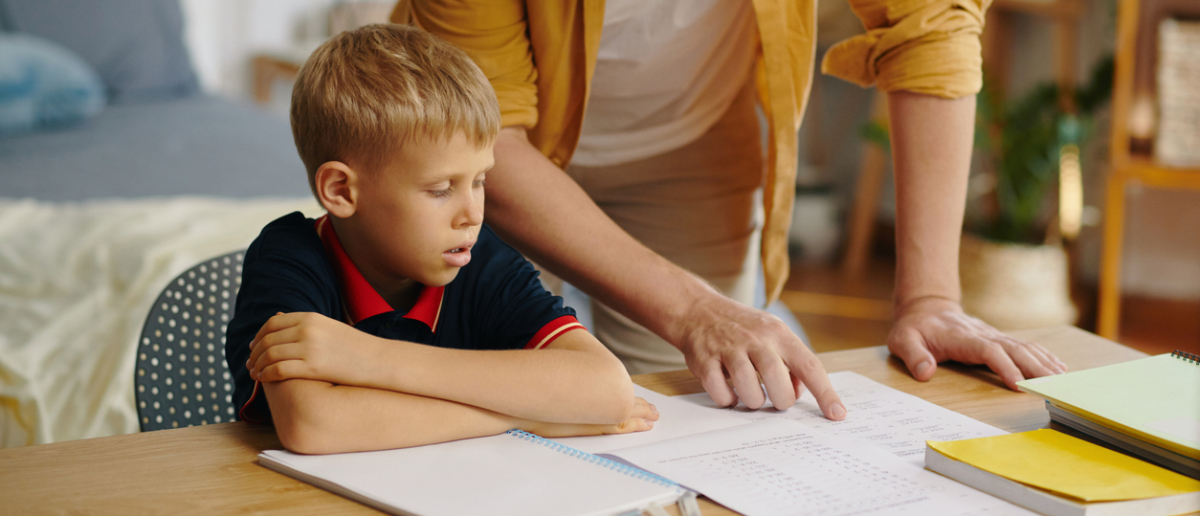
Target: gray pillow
x=44, y=85
x=135, y=45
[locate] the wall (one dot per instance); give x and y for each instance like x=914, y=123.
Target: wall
x=1162, y=248
x=223, y=35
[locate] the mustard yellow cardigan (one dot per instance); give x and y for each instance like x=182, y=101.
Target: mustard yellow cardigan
x=540, y=54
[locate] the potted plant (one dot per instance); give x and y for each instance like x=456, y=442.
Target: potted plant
x=1012, y=263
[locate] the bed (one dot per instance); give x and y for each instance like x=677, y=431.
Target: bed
x=97, y=217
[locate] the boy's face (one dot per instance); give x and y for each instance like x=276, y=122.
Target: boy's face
x=420, y=214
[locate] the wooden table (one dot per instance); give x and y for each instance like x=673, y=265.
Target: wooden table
x=213, y=469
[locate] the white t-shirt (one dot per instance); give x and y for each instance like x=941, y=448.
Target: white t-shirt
x=666, y=72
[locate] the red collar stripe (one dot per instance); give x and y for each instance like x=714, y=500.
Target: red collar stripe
x=361, y=301
x=246, y=414
x=428, y=307
x=553, y=330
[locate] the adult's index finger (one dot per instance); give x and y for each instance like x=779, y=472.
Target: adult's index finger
x=808, y=368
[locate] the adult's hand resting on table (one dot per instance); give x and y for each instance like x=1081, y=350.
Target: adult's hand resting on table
x=932, y=330
x=726, y=337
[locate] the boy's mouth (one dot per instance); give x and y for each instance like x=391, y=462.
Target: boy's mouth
x=459, y=256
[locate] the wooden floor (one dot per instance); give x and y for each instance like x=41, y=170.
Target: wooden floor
x=839, y=312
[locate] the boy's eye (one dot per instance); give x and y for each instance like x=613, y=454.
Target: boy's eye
x=440, y=193
x=480, y=183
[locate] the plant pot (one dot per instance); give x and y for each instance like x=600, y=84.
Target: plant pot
x=1015, y=286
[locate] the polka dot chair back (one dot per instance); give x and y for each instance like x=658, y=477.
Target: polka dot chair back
x=182, y=378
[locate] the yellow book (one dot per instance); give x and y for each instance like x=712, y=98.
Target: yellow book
x=1054, y=473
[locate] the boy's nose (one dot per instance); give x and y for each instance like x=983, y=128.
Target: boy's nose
x=473, y=214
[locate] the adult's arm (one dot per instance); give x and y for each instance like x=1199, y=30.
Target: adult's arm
x=926, y=54
x=545, y=214
x=932, y=139
x=541, y=211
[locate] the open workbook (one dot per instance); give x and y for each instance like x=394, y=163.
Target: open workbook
x=514, y=473
x=763, y=462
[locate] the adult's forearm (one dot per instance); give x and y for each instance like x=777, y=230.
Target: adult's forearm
x=318, y=417
x=931, y=145
x=540, y=210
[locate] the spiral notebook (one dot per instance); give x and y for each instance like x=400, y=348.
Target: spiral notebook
x=1155, y=399
x=514, y=473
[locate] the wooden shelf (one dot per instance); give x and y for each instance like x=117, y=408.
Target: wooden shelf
x=1151, y=173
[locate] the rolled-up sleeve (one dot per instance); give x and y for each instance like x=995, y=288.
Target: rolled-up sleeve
x=922, y=46
x=494, y=34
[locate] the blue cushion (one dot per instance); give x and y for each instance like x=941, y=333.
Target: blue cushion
x=43, y=84
x=136, y=46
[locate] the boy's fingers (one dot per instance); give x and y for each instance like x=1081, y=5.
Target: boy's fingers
x=634, y=424
x=279, y=371
x=271, y=341
x=808, y=368
x=271, y=355
x=278, y=322
x=644, y=409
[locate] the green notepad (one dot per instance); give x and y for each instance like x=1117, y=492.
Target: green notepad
x=1156, y=399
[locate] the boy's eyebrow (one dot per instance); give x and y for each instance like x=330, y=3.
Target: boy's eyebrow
x=443, y=179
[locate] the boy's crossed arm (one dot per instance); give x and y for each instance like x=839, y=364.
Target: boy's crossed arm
x=334, y=389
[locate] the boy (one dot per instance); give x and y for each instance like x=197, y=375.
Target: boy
x=398, y=319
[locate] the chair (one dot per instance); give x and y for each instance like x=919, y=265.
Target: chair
x=181, y=377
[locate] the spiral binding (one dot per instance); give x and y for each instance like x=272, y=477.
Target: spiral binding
x=1186, y=357
x=599, y=461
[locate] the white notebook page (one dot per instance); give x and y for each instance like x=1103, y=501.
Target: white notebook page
x=877, y=415
x=499, y=475
x=784, y=468
x=676, y=418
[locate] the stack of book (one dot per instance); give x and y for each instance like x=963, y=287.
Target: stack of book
x=1148, y=408
x=1058, y=475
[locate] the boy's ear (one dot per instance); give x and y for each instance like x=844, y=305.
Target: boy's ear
x=337, y=188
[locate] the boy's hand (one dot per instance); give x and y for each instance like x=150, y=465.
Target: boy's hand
x=311, y=346
x=641, y=419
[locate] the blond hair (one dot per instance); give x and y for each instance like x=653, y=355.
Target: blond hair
x=365, y=93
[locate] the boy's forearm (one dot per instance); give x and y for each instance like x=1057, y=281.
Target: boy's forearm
x=317, y=417
x=575, y=382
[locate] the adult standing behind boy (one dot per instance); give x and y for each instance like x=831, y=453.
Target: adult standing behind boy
x=399, y=319
x=648, y=108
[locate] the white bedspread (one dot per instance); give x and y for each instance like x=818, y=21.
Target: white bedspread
x=76, y=283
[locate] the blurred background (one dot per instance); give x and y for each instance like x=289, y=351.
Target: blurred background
x=140, y=137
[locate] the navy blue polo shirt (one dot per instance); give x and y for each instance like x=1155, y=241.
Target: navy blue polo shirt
x=298, y=265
